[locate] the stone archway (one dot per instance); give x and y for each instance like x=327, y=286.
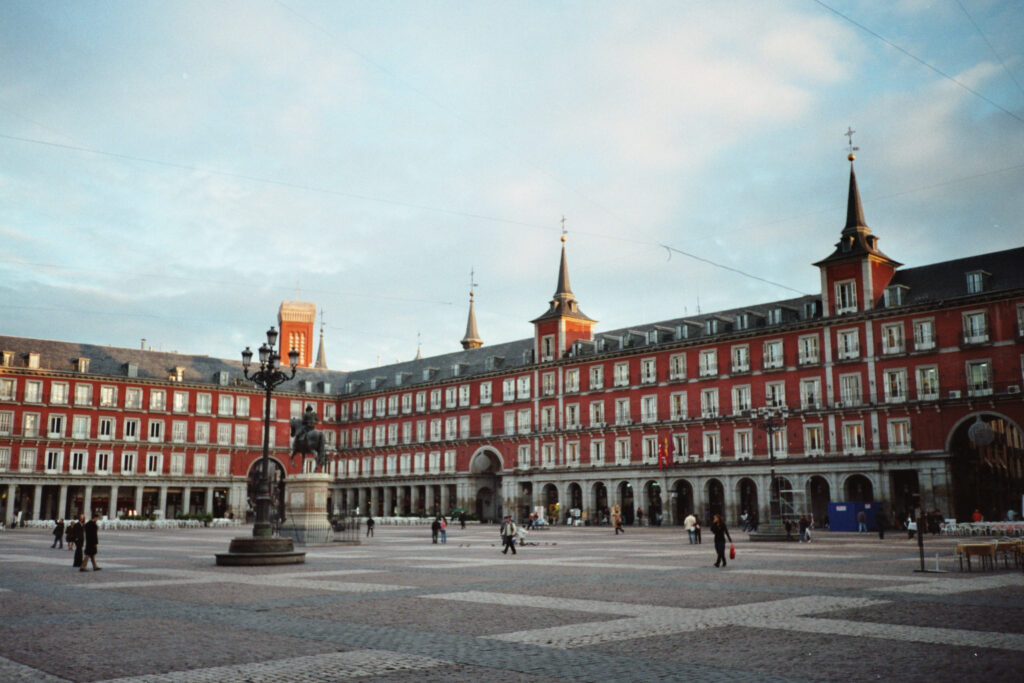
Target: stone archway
x=746, y=496
x=858, y=489
x=653, y=505
x=552, y=505
x=987, y=466
x=600, y=497
x=626, y=501
x=485, y=467
x=682, y=492
x=820, y=495
x=715, y=497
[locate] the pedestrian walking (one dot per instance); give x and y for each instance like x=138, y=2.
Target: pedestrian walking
x=508, y=534
x=639, y=517
x=804, y=524
x=444, y=530
x=370, y=524
x=720, y=532
x=696, y=529
x=618, y=524
x=78, y=539
x=92, y=542
x=880, y=523
x=862, y=522
x=462, y=519
x=68, y=535
x=690, y=524
x=435, y=529
x=58, y=534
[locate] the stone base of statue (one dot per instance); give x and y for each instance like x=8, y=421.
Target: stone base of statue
x=253, y=551
x=306, y=521
x=773, y=531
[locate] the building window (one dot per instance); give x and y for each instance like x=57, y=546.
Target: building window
x=485, y=425
x=740, y=358
x=622, y=411
x=223, y=465
x=596, y=377
x=572, y=454
x=648, y=371
x=8, y=388
x=523, y=421
x=157, y=399
x=712, y=446
x=33, y=391
x=407, y=404
x=79, y=461
x=154, y=463
x=649, y=450
x=523, y=387
x=572, y=380
x=979, y=377
x=463, y=396
x=597, y=452
x=649, y=409
x=744, y=440
x=523, y=457
x=572, y=416
x=775, y=394
x=681, y=448
x=622, y=451
x=975, y=327
x=597, y=414
x=849, y=390
x=810, y=393
x=30, y=425
x=895, y=385
x=547, y=347
x=547, y=455
x=133, y=398
x=892, y=338
x=548, y=383
x=924, y=335
x=677, y=405
x=899, y=435
x=976, y=281
x=83, y=394
x=156, y=430
x=848, y=344
x=435, y=402
x=510, y=422
x=894, y=296
x=622, y=374
x=814, y=439
x=846, y=297
x=508, y=389
x=131, y=429
x=677, y=366
x=708, y=363
x=178, y=431
x=27, y=460
x=709, y=403
x=54, y=461
x=59, y=393
x=451, y=397
x=740, y=399
x=421, y=403
x=6, y=422
x=773, y=357
x=55, y=426
x=853, y=438
x=927, y=383
x=80, y=427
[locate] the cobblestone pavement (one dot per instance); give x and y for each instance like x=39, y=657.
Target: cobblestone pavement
x=574, y=605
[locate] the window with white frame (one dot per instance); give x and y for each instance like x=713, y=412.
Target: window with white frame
x=622, y=411
x=547, y=419
x=508, y=389
x=523, y=421
x=648, y=371
x=572, y=415
x=157, y=399
x=435, y=399
x=30, y=425
x=54, y=461
x=708, y=363
x=810, y=393
x=677, y=366
x=740, y=399
x=775, y=394
x=572, y=454
x=451, y=397
x=393, y=405
x=224, y=434
x=892, y=338
x=6, y=422
x=435, y=429
x=200, y=464
x=740, y=358
x=407, y=432
x=485, y=393
x=406, y=404
x=242, y=406
x=680, y=448
x=975, y=327
x=780, y=442
x=27, y=459
x=223, y=465
x=597, y=452
x=814, y=439
x=979, y=377
x=131, y=429
x=899, y=435
x=33, y=391
x=744, y=440
x=509, y=422
x=547, y=455
x=548, y=383
x=463, y=395
x=846, y=296
x=393, y=434
x=807, y=349
x=177, y=464
x=103, y=460
x=773, y=355
x=709, y=403
x=392, y=463
x=485, y=425
x=435, y=461
x=226, y=405
x=597, y=414
x=241, y=435
x=649, y=450
x=8, y=389
x=924, y=334
x=976, y=281
x=895, y=381
x=649, y=409
x=178, y=431
x=421, y=431
x=849, y=390
x=523, y=456
x=80, y=427
x=621, y=371
x=79, y=461
x=572, y=380
x=622, y=451
x=179, y=402
x=83, y=394
x=55, y=426
x=128, y=460
x=853, y=438
x=677, y=405
x=712, y=446
x=547, y=347
x=380, y=432
x=108, y=396
x=421, y=402
x=154, y=463
x=5, y=458
x=523, y=387
x=847, y=344
x=133, y=398
x=59, y=393
x=596, y=377
x=927, y=379
x=404, y=463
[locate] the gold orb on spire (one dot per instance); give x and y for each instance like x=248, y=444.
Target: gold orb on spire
x=851, y=156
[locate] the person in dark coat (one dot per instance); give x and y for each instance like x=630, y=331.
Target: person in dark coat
x=92, y=542
x=78, y=539
x=58, y=534
x=720, y=532
x=435, y=529
x=881, y=522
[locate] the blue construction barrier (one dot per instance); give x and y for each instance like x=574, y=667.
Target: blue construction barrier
x=843, y=516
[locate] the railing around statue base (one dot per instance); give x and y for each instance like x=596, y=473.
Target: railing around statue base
x=346, y=530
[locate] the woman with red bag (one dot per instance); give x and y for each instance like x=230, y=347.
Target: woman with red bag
x=721, y=533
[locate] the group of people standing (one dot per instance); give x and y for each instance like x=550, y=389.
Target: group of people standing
x=82, y=537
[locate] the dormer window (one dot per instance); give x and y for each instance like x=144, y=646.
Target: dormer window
x=896, y=295
x=976, y=280
x=33, y=361
x=711, y=326
x=811, y=309
x=82, y=365
x=6, y=358
x=774, y=316
x=846, y=296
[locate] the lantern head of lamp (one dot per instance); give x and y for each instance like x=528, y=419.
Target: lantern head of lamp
x=246, y=358
x=293, y=358
x=272, y=337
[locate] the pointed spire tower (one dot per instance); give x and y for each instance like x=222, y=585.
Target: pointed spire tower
x=855, y=275
x=563, y=323
x=321, y=356
x=419, y=348
x=472, y=339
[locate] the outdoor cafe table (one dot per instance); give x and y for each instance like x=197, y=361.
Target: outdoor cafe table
x=982, y=550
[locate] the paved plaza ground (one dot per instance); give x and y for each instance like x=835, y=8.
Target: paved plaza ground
x=581, y=605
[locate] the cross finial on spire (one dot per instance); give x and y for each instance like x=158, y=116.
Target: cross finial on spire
x=472, y=282
x=850, y=148
x=564, y=231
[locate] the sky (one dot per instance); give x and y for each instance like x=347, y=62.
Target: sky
x=172, y=171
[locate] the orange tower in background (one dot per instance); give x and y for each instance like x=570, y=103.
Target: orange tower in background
x=295, y=319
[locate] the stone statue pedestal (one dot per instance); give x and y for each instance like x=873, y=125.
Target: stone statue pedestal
x=306, y=521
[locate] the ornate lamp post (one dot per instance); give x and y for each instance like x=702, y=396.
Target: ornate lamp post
x=771, y=420
x=267, y=377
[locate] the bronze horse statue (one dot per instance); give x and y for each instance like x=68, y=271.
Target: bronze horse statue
x=308, y=440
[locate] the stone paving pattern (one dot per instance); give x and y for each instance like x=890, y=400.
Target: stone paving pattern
x=579, y=605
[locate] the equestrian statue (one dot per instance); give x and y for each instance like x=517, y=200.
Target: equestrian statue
x=308, y=439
